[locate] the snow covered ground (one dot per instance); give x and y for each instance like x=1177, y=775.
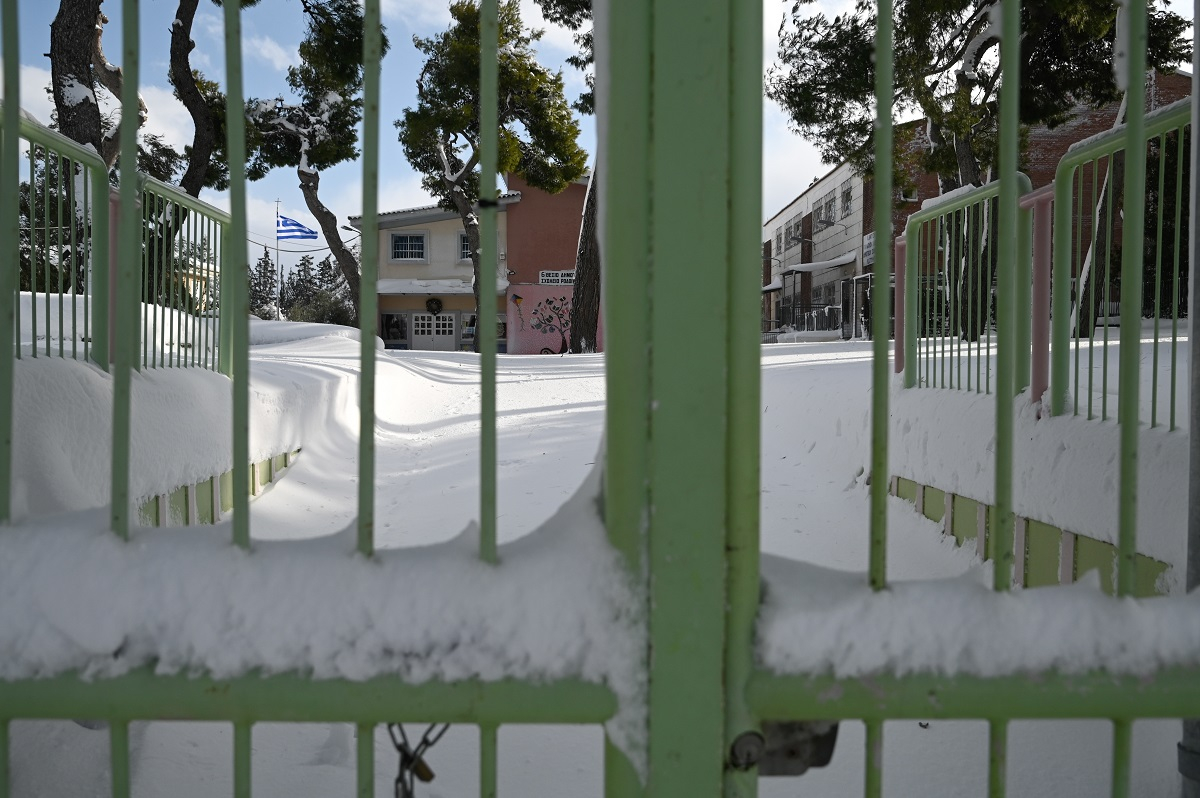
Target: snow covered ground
x=815, y=434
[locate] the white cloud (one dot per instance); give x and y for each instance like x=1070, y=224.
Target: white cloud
x=557, y=42
x=34, y=99
x=789, y=162
x=422, y=16
x=167, y=117
x=264, y=48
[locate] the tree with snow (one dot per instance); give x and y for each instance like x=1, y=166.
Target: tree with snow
x=947, y=68
x=538, y=137
x=318, y=129
x=263, y=281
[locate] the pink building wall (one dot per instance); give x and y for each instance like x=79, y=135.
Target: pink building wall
x=539, y=319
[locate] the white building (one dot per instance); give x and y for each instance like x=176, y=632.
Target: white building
x=816, y=251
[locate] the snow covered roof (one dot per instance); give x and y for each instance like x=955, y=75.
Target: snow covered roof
x=774, y=285
x=431, y=287
x=424, y=212
x=822, y=265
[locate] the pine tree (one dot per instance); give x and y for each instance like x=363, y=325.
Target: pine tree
x=263, y=281
x=319, y=128
x=441, y=137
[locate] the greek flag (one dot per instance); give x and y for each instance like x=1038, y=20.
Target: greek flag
x=286, y=228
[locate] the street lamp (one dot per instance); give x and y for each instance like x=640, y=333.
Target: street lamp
x=352, y=230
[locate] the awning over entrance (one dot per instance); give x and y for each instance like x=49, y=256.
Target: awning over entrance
x=822, y=265
x=399, y=287
x=774, y=285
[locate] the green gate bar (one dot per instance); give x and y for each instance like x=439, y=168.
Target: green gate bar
x=236, y=277
x=485, y=315
x=368, y=309
x=10, y=261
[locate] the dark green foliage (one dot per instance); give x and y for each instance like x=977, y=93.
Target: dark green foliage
x=318, y=129
x=537, y=136
x=319, y=295
x=946, y=68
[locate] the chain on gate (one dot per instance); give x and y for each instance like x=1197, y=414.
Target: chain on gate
x=412, y=767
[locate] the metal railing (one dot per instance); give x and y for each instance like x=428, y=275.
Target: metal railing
x=1092, y=286
x=946, y=292
x=62, y=205
x=681, y=489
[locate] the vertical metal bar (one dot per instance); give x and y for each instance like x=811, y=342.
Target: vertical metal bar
x=34, y=257
x=236, y=276
x=898, y=311
x=487, y=755
x=1131, y=293
x=365, y=759
x=369, y=285
x=174, y=314
x=144, y=258
x=1011, y=254
x=997, y=758
x=624, y=160
x=623, y=38
x=118, y=740
x=1043, y=244
x=744, y=435
x=46, y=243
x=125, y=279
x=10, y=268
x=485, y=331
x=242, y=731
x=1022, y=309
x=1122, y=749
x=968, y=278
x=79, y=263
x=1178, y=259
x=1105, y=296
x=4, y=768
x=911, y=281
x=874, y=760
x=689, y=414
x=1060, y=314
x=58, y=202
x=877, y=565
x=1158, y=260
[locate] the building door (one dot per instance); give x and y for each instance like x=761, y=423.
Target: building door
x=433, y=332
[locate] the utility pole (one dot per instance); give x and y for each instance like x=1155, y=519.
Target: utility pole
x=278, y=262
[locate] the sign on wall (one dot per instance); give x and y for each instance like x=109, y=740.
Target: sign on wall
x=557, y=278
x=868, y=249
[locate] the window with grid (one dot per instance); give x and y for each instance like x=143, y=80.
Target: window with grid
x=847, y=198
x=408, y=246
x=464, y=247
x=778, y=240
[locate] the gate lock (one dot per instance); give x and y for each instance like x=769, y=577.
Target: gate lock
x=785, y=748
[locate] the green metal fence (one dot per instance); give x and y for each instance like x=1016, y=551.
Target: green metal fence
x=948, y=291
x=1092, y=289
x=681, y=484
x=63, y=231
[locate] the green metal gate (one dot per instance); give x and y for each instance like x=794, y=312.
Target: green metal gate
x=680, y=99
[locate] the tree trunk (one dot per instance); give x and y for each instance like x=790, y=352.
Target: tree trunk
x=470, y=222
x=585, y=304
x=72, y=37
x=205, y=137
x=310, y=184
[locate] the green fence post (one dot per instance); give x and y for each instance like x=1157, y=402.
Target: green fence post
x=10, y=260
x=235, y=282
x=877, y=565
x=368, y=304
x=485, y=331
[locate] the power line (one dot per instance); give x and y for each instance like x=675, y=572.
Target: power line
x=270, y=246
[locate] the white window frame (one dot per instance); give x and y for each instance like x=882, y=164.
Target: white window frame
x=422, y=234
x=847, y=192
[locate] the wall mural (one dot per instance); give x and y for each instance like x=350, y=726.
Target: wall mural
x=539, y=319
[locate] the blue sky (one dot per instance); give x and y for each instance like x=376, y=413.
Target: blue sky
x=271, y=33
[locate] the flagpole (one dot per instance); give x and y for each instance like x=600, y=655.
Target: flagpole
x=279, y=295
